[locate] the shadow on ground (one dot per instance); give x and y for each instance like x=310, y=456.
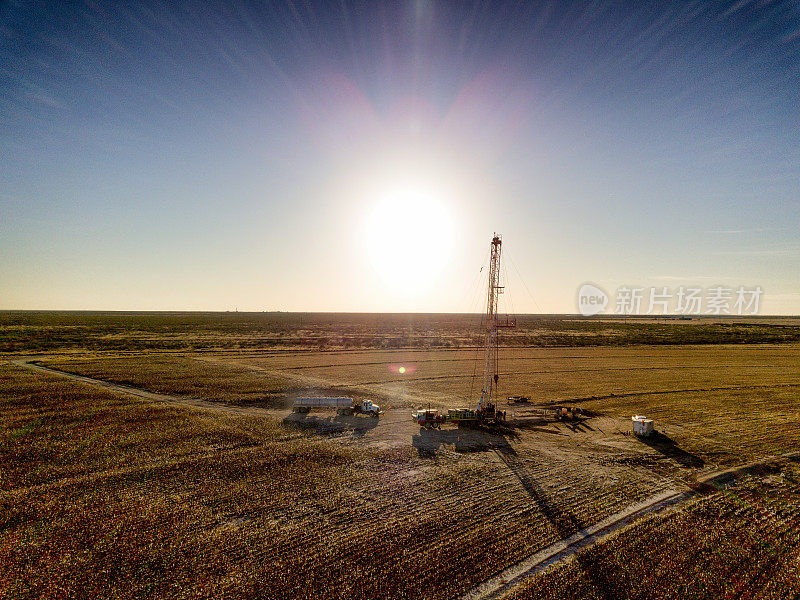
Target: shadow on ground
x=669, y=448
x=602, y=572
x=357, y=424
x=463, y=440
x=579, y=425
x=551, y=425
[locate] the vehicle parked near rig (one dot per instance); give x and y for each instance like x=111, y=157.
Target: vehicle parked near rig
x=462, y=416
x=429, y=418
x=568, y=413
x=343, y=405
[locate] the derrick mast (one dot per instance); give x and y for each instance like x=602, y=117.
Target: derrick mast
x=487, y=404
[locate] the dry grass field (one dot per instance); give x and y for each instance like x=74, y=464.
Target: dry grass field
x=726, y=404
x=106, y=494
x=32, y=331
x=185, y=376
x=110, y=496
x=741, y=542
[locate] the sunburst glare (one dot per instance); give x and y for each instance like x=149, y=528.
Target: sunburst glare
x=409, y=235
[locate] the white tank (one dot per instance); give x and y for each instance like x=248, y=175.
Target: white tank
x=642, y=426
x=323, y=402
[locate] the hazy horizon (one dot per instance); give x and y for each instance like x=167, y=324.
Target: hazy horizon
x=602, y=316
x=359, y=157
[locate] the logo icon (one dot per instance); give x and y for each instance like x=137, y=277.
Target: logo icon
x=591, y=300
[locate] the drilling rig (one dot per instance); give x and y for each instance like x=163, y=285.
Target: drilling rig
x=486, y=412
x=487, y=405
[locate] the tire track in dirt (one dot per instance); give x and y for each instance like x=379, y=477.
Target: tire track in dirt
x=319, y=382
x=560, y=371
x=681, y=391
x=303, y=380
x=525, y=358
x=613, y=352
x=142, y=393
x=189, y=402
x=568, y=547
x=147, y=395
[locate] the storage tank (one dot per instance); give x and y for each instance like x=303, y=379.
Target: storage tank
x=642, y=426
x=318, y=402
x=304, y=405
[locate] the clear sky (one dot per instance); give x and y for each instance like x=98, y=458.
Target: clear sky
x=358, y=156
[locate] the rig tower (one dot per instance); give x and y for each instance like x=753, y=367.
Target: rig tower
x=487, y=405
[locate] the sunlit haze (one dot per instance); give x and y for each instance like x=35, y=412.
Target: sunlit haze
x=359, y=157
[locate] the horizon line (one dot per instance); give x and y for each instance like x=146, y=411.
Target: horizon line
x=340, y=312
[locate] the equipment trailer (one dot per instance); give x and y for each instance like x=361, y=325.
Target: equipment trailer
x=463, y=417
x=343, y=405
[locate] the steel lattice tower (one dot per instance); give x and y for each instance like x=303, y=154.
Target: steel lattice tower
x=489, y=392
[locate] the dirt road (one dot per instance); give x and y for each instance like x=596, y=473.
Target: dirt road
x=566, y=548
x=141, y=393
x=395, y=428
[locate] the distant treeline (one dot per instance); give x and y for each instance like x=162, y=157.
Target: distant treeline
x=24, y=331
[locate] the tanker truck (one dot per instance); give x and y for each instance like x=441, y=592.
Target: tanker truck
x=342, y=405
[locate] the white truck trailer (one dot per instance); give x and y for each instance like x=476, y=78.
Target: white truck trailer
x=343, y=405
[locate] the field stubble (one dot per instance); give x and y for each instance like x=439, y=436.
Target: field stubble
x=739, y=542
x=150, y=499
x=159, y=496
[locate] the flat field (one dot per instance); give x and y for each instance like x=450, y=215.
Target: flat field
x=105, y=493
x=741, y=542
x=33, y=331
x=111, y=496
x=726, y=404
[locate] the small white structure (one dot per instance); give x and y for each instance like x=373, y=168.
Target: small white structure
x=642, y=426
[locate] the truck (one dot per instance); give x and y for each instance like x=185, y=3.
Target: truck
x=429, y=418
x=343, y=405
x=568, y=413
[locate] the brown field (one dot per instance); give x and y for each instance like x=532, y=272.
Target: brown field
x=143, y=496
x=743, y=542
x=185, y=376
x=106, y=494
x=32, y=331
x=728, y=404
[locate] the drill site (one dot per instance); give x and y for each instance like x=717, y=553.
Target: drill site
x=475, y=466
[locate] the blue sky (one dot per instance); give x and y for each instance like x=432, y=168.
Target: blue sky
x=358, y=157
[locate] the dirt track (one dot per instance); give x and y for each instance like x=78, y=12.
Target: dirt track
x=140, y=393
x=395, y=428
x=566, y=548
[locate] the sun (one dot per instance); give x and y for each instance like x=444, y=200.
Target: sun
x=409, y=238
